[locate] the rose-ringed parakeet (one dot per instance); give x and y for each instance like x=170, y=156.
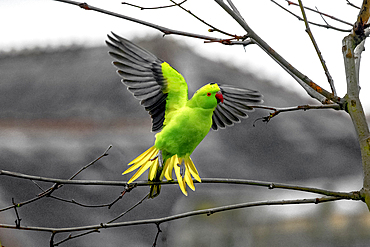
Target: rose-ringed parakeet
x=182, y=122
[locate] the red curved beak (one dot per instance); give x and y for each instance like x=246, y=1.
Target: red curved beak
x=219, y=97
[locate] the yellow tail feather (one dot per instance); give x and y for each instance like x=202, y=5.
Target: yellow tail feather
x=153, y=169
x=144, y=161
x=142, y=156
x=188, y=179
x=179, y=176
x=168, y=167
x=150, y=160
x=190, y=165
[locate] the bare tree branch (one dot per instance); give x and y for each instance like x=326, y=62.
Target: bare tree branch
x=294, y=108
x=308, y=30
x=312, y=88
x=164, y=30
x=207, y=212
x=159, y=7
x=350, y=195
x=234, y=8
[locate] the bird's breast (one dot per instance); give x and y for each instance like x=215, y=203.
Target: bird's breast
x=184, y=132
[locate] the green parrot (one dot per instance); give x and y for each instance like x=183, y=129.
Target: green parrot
x=181, y=123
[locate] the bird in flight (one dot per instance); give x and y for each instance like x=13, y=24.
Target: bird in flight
x=181, y=123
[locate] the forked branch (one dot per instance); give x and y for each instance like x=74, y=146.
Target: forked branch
x=164, y=30
x=320, y=13
x=313, y=23
x=350, y=50
x=314, y=90
x=158, y=221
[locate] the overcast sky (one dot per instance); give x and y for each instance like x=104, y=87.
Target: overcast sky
x=42, y=23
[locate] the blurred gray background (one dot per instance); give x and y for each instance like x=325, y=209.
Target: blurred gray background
x=62, y=107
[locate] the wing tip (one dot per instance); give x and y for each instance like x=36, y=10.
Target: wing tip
x=235, y=107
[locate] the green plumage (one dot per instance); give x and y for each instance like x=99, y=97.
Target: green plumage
x=182, y=123
x=187, y=125
x=186, y=122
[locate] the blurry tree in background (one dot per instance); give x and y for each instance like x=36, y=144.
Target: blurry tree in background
x=352, y=47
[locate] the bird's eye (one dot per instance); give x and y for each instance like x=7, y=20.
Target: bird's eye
x=208, y=94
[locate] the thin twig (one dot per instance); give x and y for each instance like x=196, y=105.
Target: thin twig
x=321, y=13
x=92, y=162
x=70, y=236
x=213, y=28
x=18, y=220
x=20, y=204
x=322, y=17
x=145, y=8
x=312, y=23
x=52, y=239
x=351, y=4
x=72, y=201
x=294, y=108
x=128, y=210
x=157, y=235
x=38, y=186
x=326, y=70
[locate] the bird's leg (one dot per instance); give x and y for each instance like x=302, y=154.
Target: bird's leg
x=182, y=168
x=159, y=157
x=155, y=189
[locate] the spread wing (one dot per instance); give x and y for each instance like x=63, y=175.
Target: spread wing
x=159, y=87
x=235, y=106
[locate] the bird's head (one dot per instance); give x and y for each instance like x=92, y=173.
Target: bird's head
x=208, y=96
